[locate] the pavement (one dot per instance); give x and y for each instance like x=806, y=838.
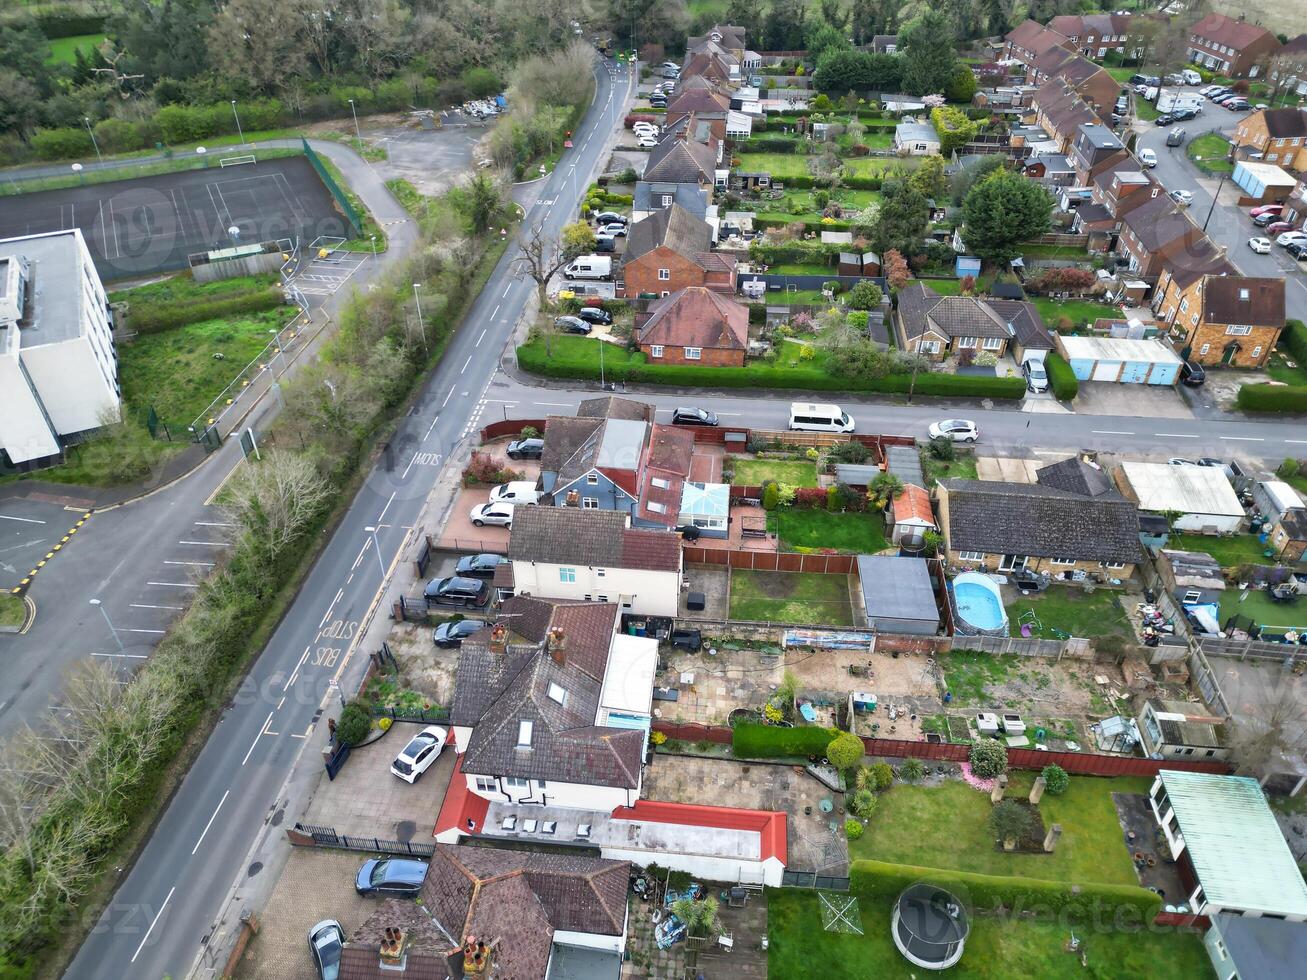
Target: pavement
x=170, y=912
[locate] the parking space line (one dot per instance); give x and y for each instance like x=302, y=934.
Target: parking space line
x=25, y=520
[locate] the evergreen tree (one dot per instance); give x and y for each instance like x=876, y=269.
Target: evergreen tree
x=929, y=60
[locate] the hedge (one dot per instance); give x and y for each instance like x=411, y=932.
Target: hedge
x=152, y=317
x=1273, y=398
x=1061, y=378
x=1087, y=902
x=1294, y=339
x=66, y=24
x=752, y=741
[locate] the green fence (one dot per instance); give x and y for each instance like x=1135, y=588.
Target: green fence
x=342, y=199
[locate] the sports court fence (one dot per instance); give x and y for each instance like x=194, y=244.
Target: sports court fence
x=53, y=179
x=341, y=198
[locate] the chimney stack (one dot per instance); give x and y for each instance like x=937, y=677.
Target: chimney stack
x=557, y=643
x=499, y=638
x=393, y=941
x=476, y=957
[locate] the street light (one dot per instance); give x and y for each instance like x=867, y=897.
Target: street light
x=373, y=531
x=77, y=169
x=199, y=152
x=240, y=132
x=421, y=324
x=1224, y=177
x=357, y=135
x=374, y=246
x=99, y=605
x=95, y=143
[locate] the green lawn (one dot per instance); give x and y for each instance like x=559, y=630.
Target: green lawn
x=1072, y=610
x=968, y=676
x=961, y=468
x=800, y=949
x=1214, y=149
x=1278, y=368
x=801, y=269
x=1055, y=252
x=1081, y=312
x=63, y=50
x=1257, y=605
x=779, y=165
x=872, y=166
x=1229, y=552
x=1145, y=110
x=815, y=530
x=182, y=289
x=795, y=472
x=12, y=610
x=1122, y=75
x=788, y=597
x=946, y=826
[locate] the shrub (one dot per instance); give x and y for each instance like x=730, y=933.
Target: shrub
x=848, y=452
x=183, y=124
x=1056, y=779
x=912, y=771
x=529, y=432
x=845, y=751
x=988, y=759
x=1060, y=377
x=658, y=738
x=853, y=829
x=942, y=449
x=118, y=135
x=863, y=802
x=1294, y=339
x=483, y=470
x=754, y=741
x=770, y=495
x=1288, y=469
x=834, y=499
x=145, y=316
x=61, y=144
x=354, y=725
x=1273, y=398
x=865, y=295
x=1009, y=820
x=882, y=776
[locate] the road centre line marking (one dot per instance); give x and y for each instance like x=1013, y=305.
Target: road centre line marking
x=154, y=922
x=25, y=520
x=1175, y=435
x=505, y=292
x=214, y=524
x=210, y=823
x=1111, y=432
x=404, y=476
x=496, y=313
x=142, y=605
x=176, y=585
x=127, y=629
x=295, y=673
x=1243, y=438
x=447, y=398
x=1297, y=442
x=481, y=338
x=382, y=515
x=207, y=544
x=430, y=427
x=465, y=364
x=262, y=728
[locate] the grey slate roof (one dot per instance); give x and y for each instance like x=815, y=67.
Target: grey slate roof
x=674, y=227
x=1024, y=317
x=1264, y=948
x=996, y=517
x=1076, y=476
x=921, y=308
x=564, y=435
x=573, y=536
x=905, y=463
x=681, y=161
x=613, y=407
x=649, y=196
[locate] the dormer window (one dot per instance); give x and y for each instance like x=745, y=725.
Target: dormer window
x=660, y=483
x=524, y=731
x=557, y=693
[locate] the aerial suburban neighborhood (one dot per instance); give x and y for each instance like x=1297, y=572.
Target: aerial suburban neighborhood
x=653, y=489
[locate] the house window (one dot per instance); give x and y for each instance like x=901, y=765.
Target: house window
x=965, y=342
x=514, y=782
x=486, y=785
x=1184, y=305
x=1221, y=950
x=657, y=507
x=667, y=200
x=1237, y=331
x=601, y=598
x=524, y=730
x=655, y=350
x=1194, y=319
x=660, y=483
x=1112, y=564
x=1063, y=561
x=971, y=556
x=567, y=575
x=928, y=346
x=1257, y=352
x=993, y=343
x=599, y=573
x=1203, y=351
x=589, y=503
x=592, y=479
x=556, y=693
x=664, y=274
x=693, y=353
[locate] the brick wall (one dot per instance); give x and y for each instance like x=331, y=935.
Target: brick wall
x=641, y=275
x=990, y=563
x=710, y=356
x=1213, y=335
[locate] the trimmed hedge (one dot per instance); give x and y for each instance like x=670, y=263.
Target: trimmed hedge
x=752, y=741
x=1273, y=398
x=1060, y=377
x=149, y=317
x=1121, y=905
x=59, y=24
x=1294, y=339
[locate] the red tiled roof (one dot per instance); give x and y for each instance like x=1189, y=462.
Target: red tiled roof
x=1237, y=34
x=769, y=824
x=913, y=503
x=697, y=317
x=460, y=804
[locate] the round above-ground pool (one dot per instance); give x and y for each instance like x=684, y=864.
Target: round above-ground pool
x=978, y=605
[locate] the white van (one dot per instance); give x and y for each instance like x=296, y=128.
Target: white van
x=819, y=418
x=1191, y=77
x=1148, y=158
x=517, y=492
x=590, y=267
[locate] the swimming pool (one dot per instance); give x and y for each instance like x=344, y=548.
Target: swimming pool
x=978, y=605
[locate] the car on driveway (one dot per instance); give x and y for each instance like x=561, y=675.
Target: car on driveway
x=1298, y=250
x=448, y=635
x=420, y=754
x=455, y=590
x=1287, y=238
x=693, y=416
x=326, y=941
x=494, y=514
x=1180, y=115
x=515, y=492
x=478, y=566
x=391, y=876
x=646, y=142
x=1264, y=220
x=526, y=449
x=593, y=314
x=1192, y=374
x=609, y=217
x=1262, y=209
x=1261, y=246
x=956, y=430
x=1277, y=228
x=1148, y=158
x=1036, y=376
x=1182, y=198
x=617, y=229
x=571, y=324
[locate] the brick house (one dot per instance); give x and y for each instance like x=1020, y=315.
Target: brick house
x=709, y=65
x=1152, y=232
x=1289, y=535
x=1094, y=149
x=937, y=326
x=1182, y=273
x=1094, y=35
x=1290, y=64
x=1070, y=520
x=1060, y=112
x=684, y=161
x=1280, y=135
x=1235, y=48
x=695, y=326
x=1227, y=319
x=1028, y=40
x=669, y=251
x=701, y=101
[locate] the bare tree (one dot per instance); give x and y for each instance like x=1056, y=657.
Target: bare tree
x=274, y=500
x=1270, y=726
x=539, y=259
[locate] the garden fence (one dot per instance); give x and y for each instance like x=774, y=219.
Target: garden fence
x=1215, y=646
x=770, y=561
x=510, y=427
x=418, y=716
x=308, y=835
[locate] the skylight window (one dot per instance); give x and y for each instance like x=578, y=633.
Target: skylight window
x=557, y=693
x=524, y=730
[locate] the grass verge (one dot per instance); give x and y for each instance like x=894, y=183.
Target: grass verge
x=12, y=610
x=790, y=597
x=1213, y=149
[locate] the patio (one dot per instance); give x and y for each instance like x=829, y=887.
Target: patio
x=731, y=679
x=746, y=959
x=1136, y=818
x=742, y=515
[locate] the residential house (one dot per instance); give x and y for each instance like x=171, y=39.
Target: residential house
x=594, y=556
x=1228, y=846
x=1181, y=279
x=1181, y=730
x=703, y=102
x=1060, y=112
x=1224, y=318
x=1092, y=83
x=1094, y=149
x=919, y=139
x=651, y=196
x=1050, y=169
x=1261, y=947
x=669, y=251
x=1289, y=65
x=1279, y=135
x=712, y=66
x=613, y=407
x=1152, y=232
x=1029, y=337
x=1028, y=40
x=495, y=912
x=1198, y=498
x=685, y=161
x=1070, y=523
x=702, y=127
x=1235, y=48
x=1114, y=193
x=1094, y=35
x=1289, y=536
x=885, y=44
x=725, y=37
x=938, y=326
x=694, y=325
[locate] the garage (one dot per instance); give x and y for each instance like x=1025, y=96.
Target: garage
x=1262, y=183
x=1112, y=359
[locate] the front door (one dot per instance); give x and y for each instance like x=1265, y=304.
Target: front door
x=1011, y=563
x=1231, y=352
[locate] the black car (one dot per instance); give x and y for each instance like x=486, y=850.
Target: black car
x=593, y=314
x=693, y=416
x=687, y=639
x=453, y=634
x=526, y=449
x=456, y=591
x=1165, y=119
x=605, y=244
x=1297, y=249
x=1192, y=374
x=478, y=566
x=326, y=941
x=571, y=324
x=1180, y=115
x=1262, y=220
x=390, y=876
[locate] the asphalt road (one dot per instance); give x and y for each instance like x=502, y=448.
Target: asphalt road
x=162, y=911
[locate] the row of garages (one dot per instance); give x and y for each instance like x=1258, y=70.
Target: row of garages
x=1123, y=360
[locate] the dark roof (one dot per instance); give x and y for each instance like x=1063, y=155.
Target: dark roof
x=732, y=35
x=905, y=463
x=1093, y=214
x=573, y=536
x=612, y=407
x=673, y=227
x=996, y=517
x=1023, y=316
x=1296, y=45
x=1237, y=34
x=1243, y=300
x=613, y=448
x=921, y=307
x=1158, y=223
x=681, y=161
x=564, y=435
x=697, y=317
x=1198, y=258
x=897, y=587
x=1034, y=36
x=698, y=100
x=1282, y=123
x=1065, y=110
x=1263, y=947
x=429, y=952
x=1294, y=523
x=1077, y=476
x=649, y=194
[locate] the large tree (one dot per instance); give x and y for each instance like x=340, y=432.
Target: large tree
x=929, y=59
x=902, y=220
x=167, y=39
x=749, y=15
x=1001, y=212
x=868, y=18
x=784, y=30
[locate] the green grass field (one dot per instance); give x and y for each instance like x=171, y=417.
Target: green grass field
x=1072, y=610
x=788, y=597
x=1229, y=552
x=1081, y=312
x=963, y=467
x=182, y=288
x=1213, y=148
x=795, y=472
x=817, y=530
x=779, y=165
x=1258, y=606
x=12, y=610
x=63, y=50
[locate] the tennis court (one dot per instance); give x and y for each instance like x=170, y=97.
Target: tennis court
x=150, y=224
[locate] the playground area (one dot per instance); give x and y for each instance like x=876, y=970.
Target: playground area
x=151, y=224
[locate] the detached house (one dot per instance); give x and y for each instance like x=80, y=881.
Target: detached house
x=681, y=160
x=695, y=325
x=651, y=196
x=704, y=103
x=937, y=326
x=1234, y=48
x=669, y=251
x=1226, y=319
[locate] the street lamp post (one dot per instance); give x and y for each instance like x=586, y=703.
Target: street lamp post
x=1215, y=197
x=421, y=324
x=94, y=142
x=374, y=246
x=380, y=564
x=77, y=169
x=240, y=132
x=103, y=612
x=357, y=135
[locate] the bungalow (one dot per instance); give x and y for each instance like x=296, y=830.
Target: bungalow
x=651, y=196
x=716, y=67
x=728, y=38
x=1029, y=337
x=917, y=139
x=1181, y=730
x=1265, y=948
x=1235, y=48
x=694, y=325
x=1228, y=846
x=592, y=555
x=698, y=101
x=1230, y=319
x=683, y=161
x=1071, y=524
x=669, y=251
x=937, y=326
x=1200, y=496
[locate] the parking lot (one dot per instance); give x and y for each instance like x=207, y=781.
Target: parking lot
x=29, y=529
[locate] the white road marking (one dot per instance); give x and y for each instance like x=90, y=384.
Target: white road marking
x=1243, y=438
x=557, y=404
x=176, y=585
x=1174, y=435
x=1111, y=432
x=481, y=338
x=25, y=520
x=447, y=398
x=214, y=524
x=382, y=515
x=1297, y=442
x=495, y=314
x=210, y=823
x=465, y=364
x=202, y=564
x=125, y=656
x=250, y=750
x=142, y=605
x=127, y=629
x=506, y=289
x=207, y=544
x=295, y=673
x=154, y=922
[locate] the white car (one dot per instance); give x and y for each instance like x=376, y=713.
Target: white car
x=498, y=513
x=645, y=129
x=1260, y=245
x=1182, y=198
x=616, y=229
x=958, y=430
x=420, y=754
x=646, y=142
x=1148, y=158
x=1036, y=376
x=1291, y=238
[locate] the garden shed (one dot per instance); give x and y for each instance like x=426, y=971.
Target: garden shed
x=1150, y=362
x=967, y=265
x=1274, y=498
x=897, y=594
x=1263, y=182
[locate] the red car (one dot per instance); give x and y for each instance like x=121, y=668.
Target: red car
x=1265, y=209
x=1278, y=228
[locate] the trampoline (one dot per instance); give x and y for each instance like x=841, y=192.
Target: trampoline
x=929, y=927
